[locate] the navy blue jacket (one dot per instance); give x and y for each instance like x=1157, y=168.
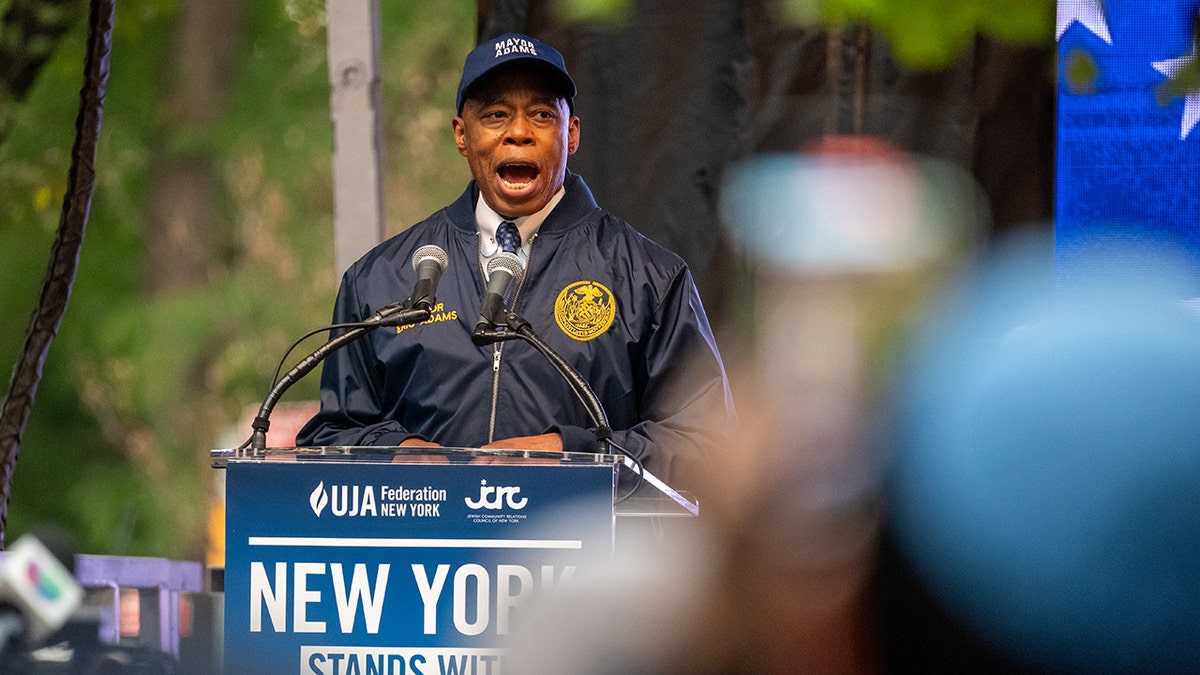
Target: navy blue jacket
x=622, y=310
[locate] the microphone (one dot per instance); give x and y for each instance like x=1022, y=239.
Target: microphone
x=430, y=262
x=502, y=270
x=37, y=592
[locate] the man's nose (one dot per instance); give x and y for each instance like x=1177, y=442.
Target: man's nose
x=519, y=131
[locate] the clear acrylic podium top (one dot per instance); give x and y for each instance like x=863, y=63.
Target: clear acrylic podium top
x=639, y=492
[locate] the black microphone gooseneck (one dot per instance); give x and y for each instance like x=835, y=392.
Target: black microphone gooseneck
x=496, y=324
x=393, y=315
x=515, y=327
x=429, y=262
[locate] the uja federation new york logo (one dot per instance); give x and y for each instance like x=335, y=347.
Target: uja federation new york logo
x=585, y=309
x=377, y=500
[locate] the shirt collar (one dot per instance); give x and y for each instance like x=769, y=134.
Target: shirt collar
x=487, y=220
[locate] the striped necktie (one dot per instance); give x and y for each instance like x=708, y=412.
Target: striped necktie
x=508, y=237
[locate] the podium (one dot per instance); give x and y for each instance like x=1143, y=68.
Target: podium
x=411, y=560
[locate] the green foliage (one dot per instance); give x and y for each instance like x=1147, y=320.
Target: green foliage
x=932, y=33
x=1080, y=72
x=610, y=12
x=140, y=385
x=923, y=34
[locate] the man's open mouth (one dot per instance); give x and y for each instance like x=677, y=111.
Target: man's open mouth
x=517, y=175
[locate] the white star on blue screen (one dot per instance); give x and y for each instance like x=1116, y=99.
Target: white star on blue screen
x=1191, y=102
x=1087, y=12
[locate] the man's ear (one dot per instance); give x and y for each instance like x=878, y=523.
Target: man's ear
x=572, y=135
x=460, y=135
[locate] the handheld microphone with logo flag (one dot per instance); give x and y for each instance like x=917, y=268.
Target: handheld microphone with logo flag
x=37, y=592
x=430, y=262
x=503, y=269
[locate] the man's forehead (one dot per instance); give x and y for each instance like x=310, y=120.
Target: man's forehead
x=517, y=81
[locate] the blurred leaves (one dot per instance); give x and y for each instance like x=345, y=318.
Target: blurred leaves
x=923, y=34
x=611, y=12
x=29, y=32
x=1186, y=80
x=932, y=33
x=1080, y=72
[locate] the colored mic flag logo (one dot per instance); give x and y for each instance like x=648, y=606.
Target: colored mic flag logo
x=43, y=584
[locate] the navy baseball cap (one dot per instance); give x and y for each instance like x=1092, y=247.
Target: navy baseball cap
x=510, y=48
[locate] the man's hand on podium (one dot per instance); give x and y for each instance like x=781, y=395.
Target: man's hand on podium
x=551, y=442
x=542, y=442
x=418, y=443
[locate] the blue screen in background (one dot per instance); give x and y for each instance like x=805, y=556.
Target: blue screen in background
x=1128, y=149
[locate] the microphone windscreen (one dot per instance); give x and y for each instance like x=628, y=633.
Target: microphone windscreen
x=509, y=262
x=430, y=252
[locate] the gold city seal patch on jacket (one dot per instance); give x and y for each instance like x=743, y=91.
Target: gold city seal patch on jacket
x=585, y=309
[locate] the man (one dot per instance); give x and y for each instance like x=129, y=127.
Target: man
x=623, y=311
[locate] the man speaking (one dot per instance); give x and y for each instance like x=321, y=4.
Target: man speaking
x=621, y=310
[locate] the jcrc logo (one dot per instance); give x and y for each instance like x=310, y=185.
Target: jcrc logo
x=344, y=500
x=496, y=498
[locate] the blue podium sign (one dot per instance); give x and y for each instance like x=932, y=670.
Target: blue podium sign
x=341, y=568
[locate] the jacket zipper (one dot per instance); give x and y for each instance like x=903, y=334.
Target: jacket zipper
x=495, y=390
x=497, y=349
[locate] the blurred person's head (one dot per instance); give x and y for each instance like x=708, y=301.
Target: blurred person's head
x=1046, y=486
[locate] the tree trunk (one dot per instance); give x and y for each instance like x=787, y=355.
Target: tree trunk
x=186, y=233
